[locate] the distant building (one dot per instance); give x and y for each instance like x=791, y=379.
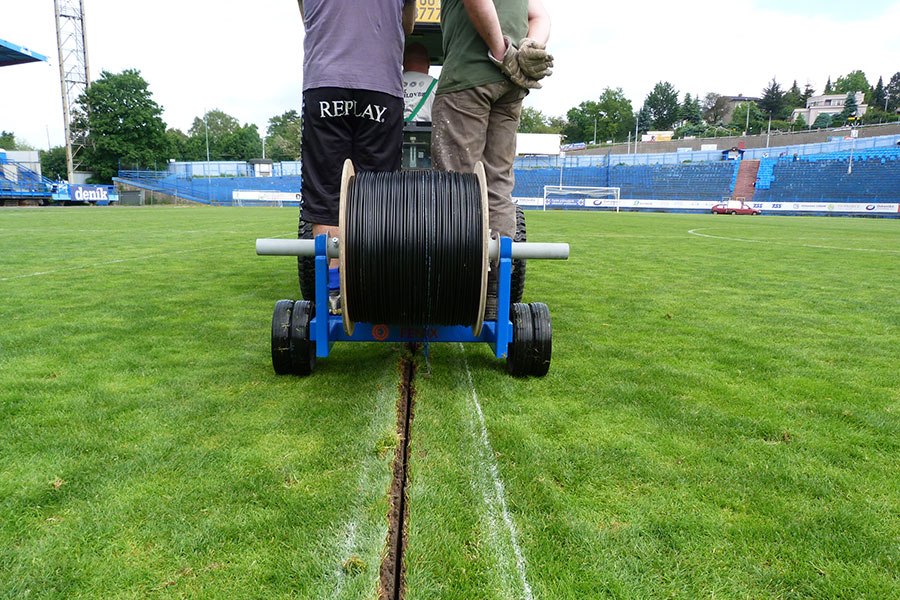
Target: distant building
x=828, y=104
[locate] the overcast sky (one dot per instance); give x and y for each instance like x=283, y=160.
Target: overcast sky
x=245, y=57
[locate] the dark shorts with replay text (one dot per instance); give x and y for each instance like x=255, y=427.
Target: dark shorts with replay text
x=362, y=125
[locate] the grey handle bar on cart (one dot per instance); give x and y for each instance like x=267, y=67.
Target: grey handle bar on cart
x=291, y=247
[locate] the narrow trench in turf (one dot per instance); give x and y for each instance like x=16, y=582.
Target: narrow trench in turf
x=392, y=582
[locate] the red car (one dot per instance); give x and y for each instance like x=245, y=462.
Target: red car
x=734, y=207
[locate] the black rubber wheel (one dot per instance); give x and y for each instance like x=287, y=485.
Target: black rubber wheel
x=281, y=337
x=542, y=344
x=519, y=354
x=303, y=350
x=306, y=265
x=517, y=281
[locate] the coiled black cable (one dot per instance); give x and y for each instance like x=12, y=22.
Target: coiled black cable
x=414, y=248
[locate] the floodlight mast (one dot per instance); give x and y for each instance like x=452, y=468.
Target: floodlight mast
x=74, y=73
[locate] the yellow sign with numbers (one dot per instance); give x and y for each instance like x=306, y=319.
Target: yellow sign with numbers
x=429, y=11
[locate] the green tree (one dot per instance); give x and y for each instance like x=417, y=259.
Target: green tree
x=7, y=140
x=555, y=124
x=286, y=145
x=689, y=130
x=808, y=92
x=878, y=116
x=610, y=117
x=892, y=91
x=243, y=143
x=799, y=123
x=580, y=122
x=691, y=113
x=854, y=81
x=828, y=88
x=53, y=163
x=850, y=108
x=616, y=116
x=645, y=119
x=739, y=118
x=534, y=121
x=663, y=105
x=715, y=107
x=122, y=123
x=531, y=120
x=279, y=124
x=283, y=136
x=879, y=97
x=823, y=121
x=215, y=126
x=177, y=145
x=794, y=97
x=773, y=103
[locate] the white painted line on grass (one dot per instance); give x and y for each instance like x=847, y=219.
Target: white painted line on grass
x=499, y=497
x=732, y=239
x=123, y=260
x=362, y=537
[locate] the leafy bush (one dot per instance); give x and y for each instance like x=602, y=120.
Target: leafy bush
x=823, y=121
x=878, y=116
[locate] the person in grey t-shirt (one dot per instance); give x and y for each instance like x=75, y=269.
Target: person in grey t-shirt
x=352, y=101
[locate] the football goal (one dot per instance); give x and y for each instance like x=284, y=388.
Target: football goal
x=568, y=196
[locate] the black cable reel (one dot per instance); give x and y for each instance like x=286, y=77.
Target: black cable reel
x=414, y=250
x=413, y=247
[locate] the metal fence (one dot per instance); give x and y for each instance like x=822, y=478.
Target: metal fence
x=209, y=190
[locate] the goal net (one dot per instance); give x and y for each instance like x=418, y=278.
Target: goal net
x=568, y=196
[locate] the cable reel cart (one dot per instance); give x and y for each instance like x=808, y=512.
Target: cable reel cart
x=414, y=252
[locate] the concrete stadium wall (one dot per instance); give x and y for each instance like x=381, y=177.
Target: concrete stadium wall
x=152, y=196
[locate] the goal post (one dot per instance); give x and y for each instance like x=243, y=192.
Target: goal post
x=581, y=196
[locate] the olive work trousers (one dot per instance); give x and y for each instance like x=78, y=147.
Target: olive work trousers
x=480, y=124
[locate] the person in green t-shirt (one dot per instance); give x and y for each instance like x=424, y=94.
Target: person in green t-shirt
x=485, y=77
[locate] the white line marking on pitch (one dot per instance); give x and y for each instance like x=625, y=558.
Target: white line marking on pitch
x=499, y=493
x=731, y=239
x=123, y=260
x=361, y=537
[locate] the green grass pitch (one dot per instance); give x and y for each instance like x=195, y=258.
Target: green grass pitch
x=721, y=418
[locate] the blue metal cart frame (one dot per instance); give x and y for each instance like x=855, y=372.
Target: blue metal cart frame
x=326, y=329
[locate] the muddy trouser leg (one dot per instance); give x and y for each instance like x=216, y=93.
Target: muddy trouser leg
x=459, y=123
x=498, y=156
x=480, y=124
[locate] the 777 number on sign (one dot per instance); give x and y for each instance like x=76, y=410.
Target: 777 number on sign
x=429, y=11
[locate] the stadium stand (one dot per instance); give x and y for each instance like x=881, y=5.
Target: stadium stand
x=207, y=190
x=802, y=182
x=693, y=181
x=874, y=177
x=20, y=185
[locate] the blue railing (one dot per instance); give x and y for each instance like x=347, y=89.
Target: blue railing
x=19, y=181
x=208, y=190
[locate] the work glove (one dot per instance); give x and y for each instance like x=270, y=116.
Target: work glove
x=533, y=59
x=510, y=67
